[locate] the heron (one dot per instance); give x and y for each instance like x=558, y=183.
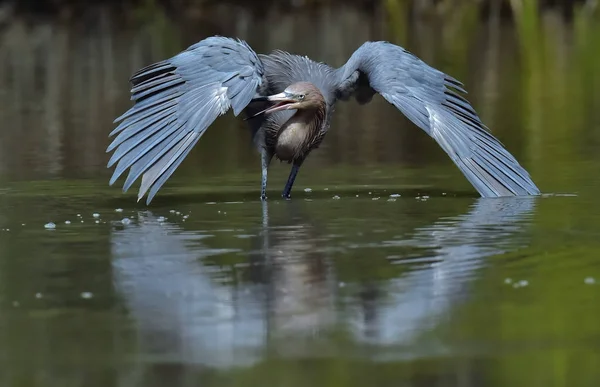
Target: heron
x=287, y=101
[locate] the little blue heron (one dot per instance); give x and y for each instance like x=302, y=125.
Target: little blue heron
x=288, y=101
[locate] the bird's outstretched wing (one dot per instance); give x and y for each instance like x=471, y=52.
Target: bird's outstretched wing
x=176, y=100
x=426, y=96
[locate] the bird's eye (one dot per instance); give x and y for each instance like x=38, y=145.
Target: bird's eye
x=301, y=97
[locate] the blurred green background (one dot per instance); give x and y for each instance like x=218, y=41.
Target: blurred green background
x=385, y=268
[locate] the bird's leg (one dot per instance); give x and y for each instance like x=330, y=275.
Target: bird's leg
x=265, y=159
x=290, y=181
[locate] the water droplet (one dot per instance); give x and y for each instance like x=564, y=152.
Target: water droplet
x=50, y=226
x=67, y=222
x=508, y=281
x=118, y=210
x=395, y=195
x=86, y=295
x=16, y=304
x=307, y=189
x=520, y=284
x=96, y=215
x=97, y=221
x=39, y=295
x=589, y=281
x=125, y=221
x=161, y=219
x=336, y=197
x=375, y=199
x=341, y=284
x=172, y=211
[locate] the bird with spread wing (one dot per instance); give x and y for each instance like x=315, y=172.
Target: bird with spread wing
x=288, y=101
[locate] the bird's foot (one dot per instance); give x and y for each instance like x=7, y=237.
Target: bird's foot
x=286, y=196
x=263, y=197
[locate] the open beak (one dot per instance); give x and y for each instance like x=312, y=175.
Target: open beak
x=282, y=102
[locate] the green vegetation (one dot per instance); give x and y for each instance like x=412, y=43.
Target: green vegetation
x=183, y=6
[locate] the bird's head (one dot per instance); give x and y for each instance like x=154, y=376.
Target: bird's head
x=297, y=96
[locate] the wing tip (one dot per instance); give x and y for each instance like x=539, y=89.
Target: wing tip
x=490, y=185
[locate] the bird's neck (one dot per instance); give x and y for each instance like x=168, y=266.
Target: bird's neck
x=298, y=135
x=310, y=118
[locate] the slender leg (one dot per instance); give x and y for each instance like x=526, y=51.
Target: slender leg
x=290, y=182
x=265, y=158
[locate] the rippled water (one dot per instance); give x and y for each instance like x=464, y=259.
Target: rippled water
x=385, y=268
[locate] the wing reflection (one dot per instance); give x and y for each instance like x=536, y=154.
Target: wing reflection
x=417, y=301
x=183, y=315
x=288, y=297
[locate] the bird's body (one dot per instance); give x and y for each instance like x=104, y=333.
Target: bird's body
x=288, y=101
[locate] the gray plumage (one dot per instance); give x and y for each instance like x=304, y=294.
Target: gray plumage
x=176, y=100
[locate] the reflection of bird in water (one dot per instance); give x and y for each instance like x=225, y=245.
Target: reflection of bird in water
x=186, y=315
x=289, y=100
x=291, y=266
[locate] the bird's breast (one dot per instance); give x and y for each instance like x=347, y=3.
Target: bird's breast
x=292, y=141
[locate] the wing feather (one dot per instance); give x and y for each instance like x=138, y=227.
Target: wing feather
x=430, y=99
x=176, y=100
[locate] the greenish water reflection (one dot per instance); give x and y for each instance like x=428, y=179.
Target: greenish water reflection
x=368, y=289
x=345, y=284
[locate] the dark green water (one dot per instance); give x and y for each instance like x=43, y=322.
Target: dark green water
x=348, y=284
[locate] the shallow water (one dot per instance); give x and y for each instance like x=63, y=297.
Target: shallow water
x=385, y=268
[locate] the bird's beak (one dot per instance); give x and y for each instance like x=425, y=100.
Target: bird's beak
x=282, y=102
